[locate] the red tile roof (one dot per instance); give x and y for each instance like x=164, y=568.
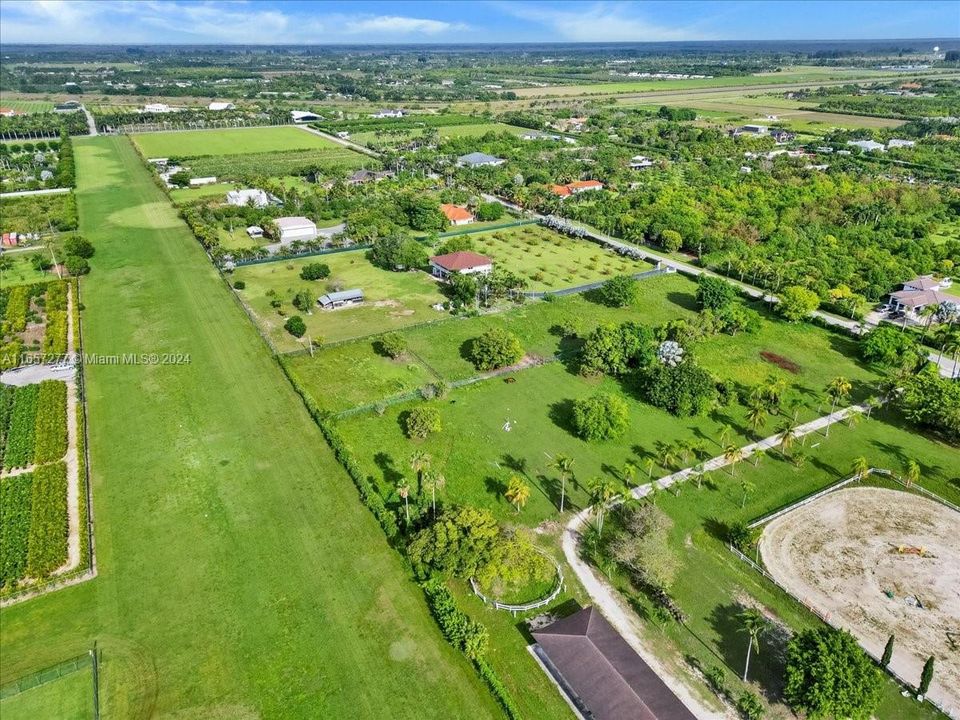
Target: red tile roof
x=584, y=184
x=561, y=190
x=456, y=213
x=462, y=260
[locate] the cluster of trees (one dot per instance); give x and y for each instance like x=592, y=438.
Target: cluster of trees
x=495, y=348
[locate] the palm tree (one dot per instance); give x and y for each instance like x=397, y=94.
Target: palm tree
x=629, y=473
x=757, y=417
x=838, y=388
x=854, y=419
x=928, y=312
x=788, y=435
x=799, y=459
x=668, y=455
x=650, y=464
x=403, y=490
x=518, y=492
x=435, y=481
x=420, y=463
x=754, y=625
x=602, y=490
x=698, y=471
x=913, y=472
x=724, y=434
x=860, y=467
x=733, y=454
x=748, y=488
x=563, y=464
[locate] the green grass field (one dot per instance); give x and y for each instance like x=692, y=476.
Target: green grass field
x=392, y=300
x=239, y=575
x=192, y=143
x=22, y=271
x=473, y=130
x=27, y=106
x=188, y=194
x=551, y=261
x=67, y=698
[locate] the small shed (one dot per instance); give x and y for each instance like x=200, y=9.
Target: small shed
x=255, y=231
x=334, y=300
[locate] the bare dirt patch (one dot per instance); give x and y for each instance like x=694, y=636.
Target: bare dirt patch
x=780, y=361
x=843, y=555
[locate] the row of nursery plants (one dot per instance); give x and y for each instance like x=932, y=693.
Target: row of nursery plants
x=47, y=545
x=34, y=424
x=15, y=504
x=50, y=441
x=21, y=431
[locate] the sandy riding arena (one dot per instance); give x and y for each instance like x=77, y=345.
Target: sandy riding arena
x=877, y=562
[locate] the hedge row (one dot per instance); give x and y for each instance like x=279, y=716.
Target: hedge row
x=15, y=498
x=468, y=636
x=47, y=546
x=55, y=335
x=66, y=170
x=57, y=295
x=50, y=436
x=22, y=428
x=368, y=493
x=10, y=353
x=18, y=303
x=6, y=408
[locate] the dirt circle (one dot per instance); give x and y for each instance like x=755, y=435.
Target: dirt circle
x=843, y=553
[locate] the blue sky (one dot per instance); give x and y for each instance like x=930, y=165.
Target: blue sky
x=308, y=22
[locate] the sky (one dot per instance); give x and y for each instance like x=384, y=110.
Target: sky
x=396, y=21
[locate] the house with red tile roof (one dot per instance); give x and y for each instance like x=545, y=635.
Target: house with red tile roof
x=462, y=262
x=456, y=214
x=575, y=187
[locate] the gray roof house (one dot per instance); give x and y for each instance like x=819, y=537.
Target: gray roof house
x=339, y=299
x=479, y=159
x=601, y=675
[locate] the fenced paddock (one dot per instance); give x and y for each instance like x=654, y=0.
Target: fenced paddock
x=876, y=561
x=67, y=691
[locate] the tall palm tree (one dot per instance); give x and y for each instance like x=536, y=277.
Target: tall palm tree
x=518, y=492
x=403, y=490
x=754, y=625
x=650, y=464
x=748, y=488
x=724, y=434
x=435, y=481
x=420, y=462
x=837, y=389
x=699, y=472
x=788, y=435
x=860, y=467
x=913, y=472
x=563, y=464
x=668, y=455
x=733, y=454
x=602, y=490
x=928, y=312
x=757, y=417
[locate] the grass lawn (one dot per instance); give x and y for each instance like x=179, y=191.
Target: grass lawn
x=22, y=271
x=551, y=261
x=392, y=300
x=67, y=698
x=473, y=130
x=27, y=106
x=239, y=141
x=187, y=194
x=239, y=575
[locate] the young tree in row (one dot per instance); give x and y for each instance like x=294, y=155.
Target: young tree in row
x=754, y=624
x=563, y=464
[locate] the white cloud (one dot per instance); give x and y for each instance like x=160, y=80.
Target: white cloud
x=207, y=21
x=600, y=22
x=399, y=25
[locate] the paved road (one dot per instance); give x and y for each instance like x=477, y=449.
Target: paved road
x=48, y=191
x=30, y=374
x=341, y=141
x=610, y=602
x=948, y=367
x=91, y=123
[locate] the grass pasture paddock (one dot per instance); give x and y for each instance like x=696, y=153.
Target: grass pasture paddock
x=239, y=141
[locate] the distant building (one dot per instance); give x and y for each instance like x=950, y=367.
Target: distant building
x=255, y=231
x=364, y=176
x=600, y=674
x=919, y=293
x=397, y=113
x=479, y=159
x=296, y=228
x=221, y=106
x=68, y=106
x=782, y=137
x=576, y=187
x=456, y=214
x=251, y=197
x=640, y=162
x=343, y=135
x=302, y=116
x=334, y=300
x=868, y=145
x=897, y=142
x=197, y=182
x=756, y=130
x=462, y=262
x=157, y=108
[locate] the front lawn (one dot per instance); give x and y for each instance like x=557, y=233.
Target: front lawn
x=239, y=141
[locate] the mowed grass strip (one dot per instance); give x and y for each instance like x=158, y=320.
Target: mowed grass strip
x=239, y=575
x=239, y=141
x=66, y=698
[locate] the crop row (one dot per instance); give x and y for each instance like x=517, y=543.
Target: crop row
x=18, y=303
x=47, y=543
x=22, y=428
x=55, y=334
x=57, y=295
x=6, y=407
x=50, y=436
x=10, y=353
x=15, y=502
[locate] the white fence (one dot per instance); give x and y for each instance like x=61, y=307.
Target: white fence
x=558, y=587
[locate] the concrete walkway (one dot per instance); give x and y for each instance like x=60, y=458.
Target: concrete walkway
x=91, y=123
x=46, y=191
x=612, y=604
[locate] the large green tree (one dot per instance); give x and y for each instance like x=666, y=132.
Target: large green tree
x=601, y=417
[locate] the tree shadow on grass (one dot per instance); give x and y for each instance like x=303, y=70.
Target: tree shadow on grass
x=516, y=464
x=717, y=529
x=495, y=486
x=551, y=487
x=386, y=463
x=561, y=413
x=688, y=301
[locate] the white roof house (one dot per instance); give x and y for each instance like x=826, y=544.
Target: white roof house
x=302, y=116
x=196, y=182
x=296, y=228
x=156, y=108
x=255, y=231
x=250, y=197
x=479, y=159
x=639, y=162
x=388, y=113
x=898, y=142
x=221, y=106
x=868, y=145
